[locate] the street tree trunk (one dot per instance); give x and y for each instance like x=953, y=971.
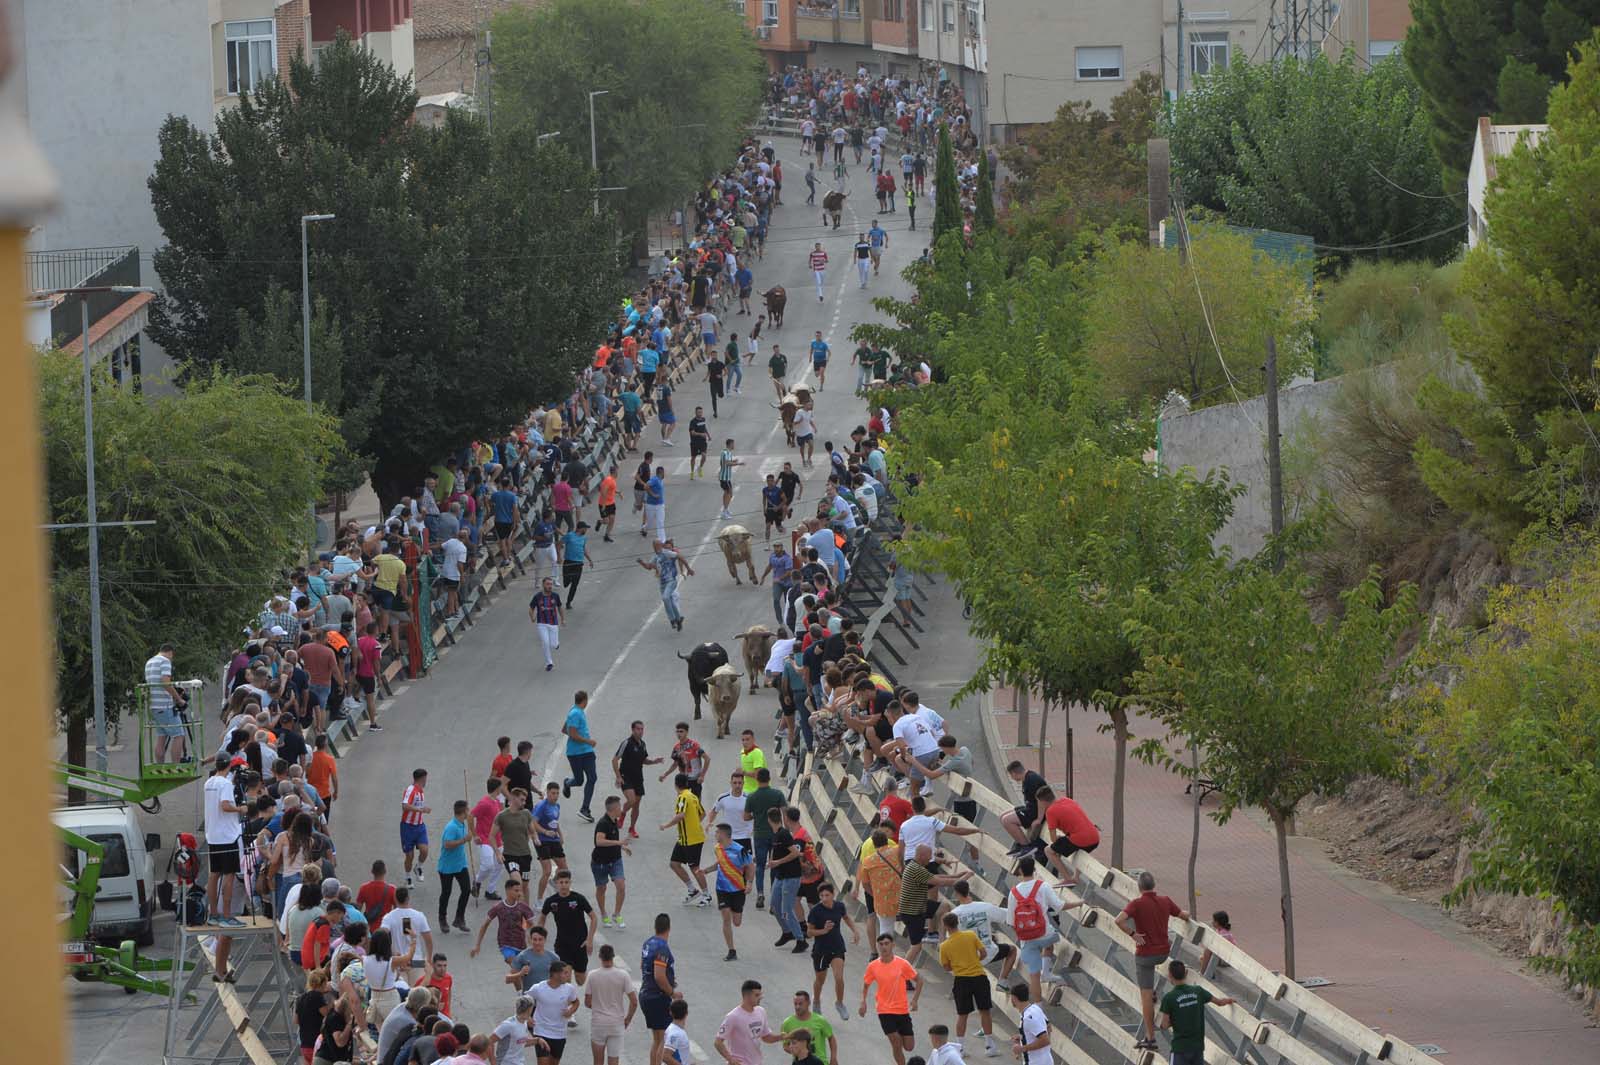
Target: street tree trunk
x=1194, y=836
x=1119, y=780
x=1280, y=826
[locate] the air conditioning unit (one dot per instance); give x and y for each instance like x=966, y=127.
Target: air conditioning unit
x=763, y=33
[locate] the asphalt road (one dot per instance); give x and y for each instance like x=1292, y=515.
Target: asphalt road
x=618, y=646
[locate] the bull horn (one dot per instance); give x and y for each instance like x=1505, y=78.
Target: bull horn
x=683, y=656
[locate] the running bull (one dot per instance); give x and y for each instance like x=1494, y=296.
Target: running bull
x=833, y=208
x=757, y=641
x=776, y=299
x=724, y=689
x=735, y=543
x=703, y=661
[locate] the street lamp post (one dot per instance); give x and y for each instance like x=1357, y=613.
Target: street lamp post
x=305, y=329
x=541, y=138
x=92, y=524
x=594, y=146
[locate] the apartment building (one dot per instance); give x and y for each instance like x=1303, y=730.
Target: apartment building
x=1371, y=29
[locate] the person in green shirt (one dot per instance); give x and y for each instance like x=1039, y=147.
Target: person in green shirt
x=751, y=757
x=823, y=1044
x=756, y=804
x=880, y=365
x=779, y=365
x=1183, y=1009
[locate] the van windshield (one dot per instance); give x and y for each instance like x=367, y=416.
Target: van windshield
x=115, y=862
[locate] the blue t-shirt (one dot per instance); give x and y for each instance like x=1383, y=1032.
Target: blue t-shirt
x=654, y=491
x=744, y=277
x=544, y=533
x=649, y=358
x=538, y=966
x=740, y=858
x=548, y=816
x=658, y=337
x=631, y=401
x=655, y=947
x=454, y=859
x=577, y=719
x=505, y=506
x=876, y=236
x=666, y=567
x=772, y=495
x=819, y=351
x=572, y=546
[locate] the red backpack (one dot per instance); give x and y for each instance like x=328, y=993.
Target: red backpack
x=1028, y=916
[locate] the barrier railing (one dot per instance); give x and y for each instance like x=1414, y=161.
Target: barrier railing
x=1095, y=1003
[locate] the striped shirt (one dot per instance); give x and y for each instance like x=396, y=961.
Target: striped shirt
x=412, y=801
x=819, y=259
x=546, y=608
x=157, y=674
x=725, y=466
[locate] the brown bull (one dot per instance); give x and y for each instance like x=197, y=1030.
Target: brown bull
x=735, y=543
x=757, y=640
x=833, y=208
x=724, y=685
x=775, y=298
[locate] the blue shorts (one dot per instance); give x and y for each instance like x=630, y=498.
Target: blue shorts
x=606, y=872
x=166, y=722
x=509, y=953
x=657, y=1010
x=1032, y=951
x=412, y=837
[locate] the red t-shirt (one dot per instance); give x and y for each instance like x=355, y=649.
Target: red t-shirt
x=375, y=899
x=896, y=810
x=318, y=660
x=1066, y=816
x=483, y=814
x=443, y=984
x=1150, y=912
x=498, y=767
x=314, y=946
x=367, y=652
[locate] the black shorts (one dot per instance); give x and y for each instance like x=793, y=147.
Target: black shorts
x=730, y=900
x=517, y=864
x=883, y=730
x=635, y=786
x=368, y=685
x=649, y=379
x=549, y=851
x=657, y=1010
x=716, y=387
x=726, y=486
x=574, y=955
x=822, y=959
x=972, y=992
x=1066, y=848
x=557, y=1047
x=896, y=1024
x=608, y=510
x=687, y=853
x=774, y=515
x=696, y=447
x=448, y=584
x=916, y=927
x=808, y=892
x=502, y=529
x=224, y=857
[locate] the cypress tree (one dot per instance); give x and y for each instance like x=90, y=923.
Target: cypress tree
x=946, y=189
x=983, y=212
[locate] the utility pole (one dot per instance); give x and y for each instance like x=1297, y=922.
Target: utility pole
x=305, y=333
x=1181, y=48
x=594, y=149
x=1274, y=457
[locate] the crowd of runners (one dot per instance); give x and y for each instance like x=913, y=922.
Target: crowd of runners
x=372, y=942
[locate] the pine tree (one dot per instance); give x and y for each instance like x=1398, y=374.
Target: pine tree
x=947, y=189
x=983, y=212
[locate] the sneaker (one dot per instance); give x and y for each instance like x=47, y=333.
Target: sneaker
x=761, y=902
x=571, y=1023
x=784, y=940
x=409, y=882
x=732, y=955
x=476, y=888
x=605, y=922
x=548, y=666
x=705, y=899
x=374, y=727
x=444, y=927
x=726, y=515
x=566, y=789
x=461, y=926
x=989, y=1049
x=693, y=894
x=844, y=1014
x=586, y=815
x=492, y=896
x=617, y=922
x=861, y=787
x=633, y=833
x=800, y=947
x=1145, y=1044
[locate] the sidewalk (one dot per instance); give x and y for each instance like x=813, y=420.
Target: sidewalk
x=1394, y=963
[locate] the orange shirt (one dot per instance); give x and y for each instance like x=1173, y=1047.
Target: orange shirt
x=321, y=772
x=498, y=769
x=882, y=870
x=608, y=491
x=891, y=978
x=602, y=355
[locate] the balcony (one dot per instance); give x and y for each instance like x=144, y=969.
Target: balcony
x=816, y=22
x=836, y=21
x=893, y=35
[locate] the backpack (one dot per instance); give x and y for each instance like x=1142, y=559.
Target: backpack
x=194, y=906
x=1028, y=916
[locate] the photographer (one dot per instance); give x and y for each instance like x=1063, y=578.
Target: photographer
x=227, y=796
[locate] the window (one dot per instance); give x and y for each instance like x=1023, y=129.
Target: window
x=927, y=14
x=949, y=16
x=850, y=8
x=738, y=7
x=769, y=12
x=1378, y=51
x=252, y=54
x=1208, y=51
x=1100, y=64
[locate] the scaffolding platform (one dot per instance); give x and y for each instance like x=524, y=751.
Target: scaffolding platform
x=248, y=1022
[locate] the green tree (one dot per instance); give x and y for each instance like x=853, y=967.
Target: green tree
x=983, y=207
x=1280, y=703
x=946, y=189
x=1495, y=58
x=683, y=82
x=226, y=468
x=1515, y=741
x=1524, y=447
x=465, y=276
x=1338, y=153
x=1156, y=318
x=1089, y=154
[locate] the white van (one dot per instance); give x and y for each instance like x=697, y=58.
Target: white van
x=124, y=905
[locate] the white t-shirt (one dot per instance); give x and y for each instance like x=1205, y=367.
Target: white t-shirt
x=729, y=810
x=550, y=1008
x=1034, y=1025
x=677, y=1042
x=807, y=128
x=455, y=553
x=931, y=718
x=508, y=1036
x=947, y=1054
x=221, y=828
x=916, y=735
x=1047, y=898
x=980, y=918
x=917, y=830
x=838, y=135
x=781, y=650
x=804, y=423
x=394, y=923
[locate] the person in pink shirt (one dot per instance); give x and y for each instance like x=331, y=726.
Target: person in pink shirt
x=368, y=651
x=562, y=502
x=483, y=815
x=745, y=1028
